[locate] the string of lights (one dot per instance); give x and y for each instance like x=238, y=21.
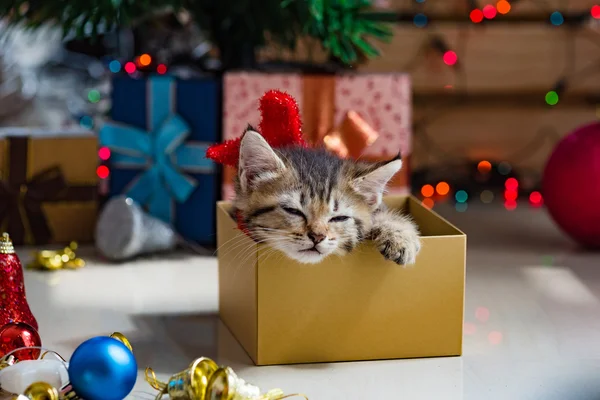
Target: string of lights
x=141, y=63
x=489, y=13
x=144, y=63
x=459, y=179
x=463, y=180
x=500, y=13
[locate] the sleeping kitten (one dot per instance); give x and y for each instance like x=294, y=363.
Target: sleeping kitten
x=310, y=204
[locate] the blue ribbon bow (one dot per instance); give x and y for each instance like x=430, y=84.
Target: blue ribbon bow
x=162, y=152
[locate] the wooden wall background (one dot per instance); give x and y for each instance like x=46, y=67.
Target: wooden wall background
x=493, y=105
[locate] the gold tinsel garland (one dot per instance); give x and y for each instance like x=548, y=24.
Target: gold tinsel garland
x=205, y=380
x=202, y=380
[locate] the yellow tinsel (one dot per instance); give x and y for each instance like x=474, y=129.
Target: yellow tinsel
x=205, y=380
x=52, y=260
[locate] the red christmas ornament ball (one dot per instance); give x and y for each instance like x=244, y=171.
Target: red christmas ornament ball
x=570, y=185
x=17, y=335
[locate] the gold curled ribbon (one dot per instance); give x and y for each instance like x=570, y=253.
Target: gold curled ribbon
x=121, y=338
x=351, y=137
x=44, y=354
x=205, y=380
x=7, y=362
x=52, y=260
x=189, y=384
x=153, y=380
x=277, y=394
x=67, y=393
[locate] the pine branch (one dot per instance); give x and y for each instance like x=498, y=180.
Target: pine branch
x=342, y=26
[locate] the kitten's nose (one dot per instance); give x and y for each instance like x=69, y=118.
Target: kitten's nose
x=316, y=237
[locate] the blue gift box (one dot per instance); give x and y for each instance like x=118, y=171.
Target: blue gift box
x=158, y=136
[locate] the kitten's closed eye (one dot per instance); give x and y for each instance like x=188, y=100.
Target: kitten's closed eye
x=294, y=211
x=339, y=218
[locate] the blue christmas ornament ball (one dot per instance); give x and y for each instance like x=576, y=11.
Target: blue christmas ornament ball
x=102, y=368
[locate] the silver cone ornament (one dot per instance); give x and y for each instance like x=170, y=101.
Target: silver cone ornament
x=124, y=231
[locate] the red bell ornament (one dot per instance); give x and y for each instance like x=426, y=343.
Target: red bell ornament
x=13, y=302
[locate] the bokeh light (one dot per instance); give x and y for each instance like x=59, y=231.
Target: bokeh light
x=511, y=195
x=536, y=199
x=495, y=338
x=469, y=328
x=595, y=11
x=428, y=202
x=427, y=190
x=450, y=57
x=104, y=153
x=484, y=167
x=114, y=66
x=489, y=11
x=420, y=20
x=556, y=18
x=442, y=188
x=487, y=196
x=130, y=67
x=102, y=171
x=461, y=207
x=94, y=96
x=145, y=60
x=547, y=260
x=461, y=196
x=86, y=122
x=476, y=16
x=161, y=69
x=552, y=98
x=510, y=205
x=511, y=184
x=504, y=168
x=503, y=7
x=482, y=314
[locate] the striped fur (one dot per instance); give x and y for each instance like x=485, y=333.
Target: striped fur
x=309, y=203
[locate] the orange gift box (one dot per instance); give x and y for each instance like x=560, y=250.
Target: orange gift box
x=365, y=116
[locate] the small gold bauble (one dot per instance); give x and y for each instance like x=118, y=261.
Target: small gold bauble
x=41, y=391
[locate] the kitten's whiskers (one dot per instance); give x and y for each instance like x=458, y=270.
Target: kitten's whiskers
x=237, y=237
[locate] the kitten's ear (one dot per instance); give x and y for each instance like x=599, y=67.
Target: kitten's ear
x=372, y=185
x=258, y=161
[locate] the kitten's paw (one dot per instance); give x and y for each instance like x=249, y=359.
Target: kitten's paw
x=400, y=246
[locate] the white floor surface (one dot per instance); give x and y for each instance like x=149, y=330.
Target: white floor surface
x=532, y=320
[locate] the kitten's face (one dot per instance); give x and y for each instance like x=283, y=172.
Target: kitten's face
x=305, y=226
x=307, y=203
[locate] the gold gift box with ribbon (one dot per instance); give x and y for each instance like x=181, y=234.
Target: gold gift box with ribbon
x=351, y=308
x=48, y=186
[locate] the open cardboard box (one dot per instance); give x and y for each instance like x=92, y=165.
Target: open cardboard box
x=356, y=307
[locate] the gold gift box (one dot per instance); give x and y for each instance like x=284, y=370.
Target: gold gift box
x=356, y=307
x=48, y=187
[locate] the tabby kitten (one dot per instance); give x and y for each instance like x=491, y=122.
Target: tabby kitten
x=309, y=203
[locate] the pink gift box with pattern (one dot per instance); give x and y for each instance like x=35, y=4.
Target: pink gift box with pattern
x=330, y=105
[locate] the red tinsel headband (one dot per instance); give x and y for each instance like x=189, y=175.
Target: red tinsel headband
x=280, y=126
